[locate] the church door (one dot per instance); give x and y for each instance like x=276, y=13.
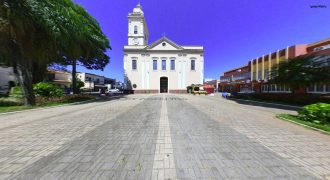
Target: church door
x=163, y=85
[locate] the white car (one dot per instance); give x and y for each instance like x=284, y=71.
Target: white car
x=113, y=91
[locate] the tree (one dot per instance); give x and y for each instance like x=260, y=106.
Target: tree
x=35, y=33
x=80, y=84
x=87, y=46
x=299, y=72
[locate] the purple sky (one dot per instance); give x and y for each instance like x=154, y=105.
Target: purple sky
x=231, y=31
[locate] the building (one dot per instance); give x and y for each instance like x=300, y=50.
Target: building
x=321, y=50
x=110, y=83
x=92, y=82
x=261, y=67
x=214, y=83
x=95, y=82
x=162, y=66
x=236, y=80
x=7, y=79
x=61, y=78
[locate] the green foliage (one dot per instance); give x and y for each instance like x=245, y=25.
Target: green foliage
x=317, y=113
x=47, y=90
x=35, y=33
x=16, y=92
x=296, y=119
x=298, y=72
x=5, y=102
x=77, y=98
x=80, y=84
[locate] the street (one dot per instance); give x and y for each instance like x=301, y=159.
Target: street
x=160, y=136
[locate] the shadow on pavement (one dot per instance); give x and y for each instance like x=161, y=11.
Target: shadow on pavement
x=103, y=98
x=266, y=104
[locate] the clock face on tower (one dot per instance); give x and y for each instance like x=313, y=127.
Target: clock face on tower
x=136, y=41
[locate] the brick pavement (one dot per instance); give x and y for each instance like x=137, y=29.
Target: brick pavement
x=159, y=137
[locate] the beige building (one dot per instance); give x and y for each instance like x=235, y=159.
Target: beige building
x=162, y=66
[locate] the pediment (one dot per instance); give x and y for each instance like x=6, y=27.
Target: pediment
x=164, y=44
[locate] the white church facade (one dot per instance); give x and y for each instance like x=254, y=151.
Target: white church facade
x=162, y=66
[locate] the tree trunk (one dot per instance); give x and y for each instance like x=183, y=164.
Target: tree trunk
x=74, y=76
x=24, y=76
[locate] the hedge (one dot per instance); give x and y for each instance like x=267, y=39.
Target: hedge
x=318, y=113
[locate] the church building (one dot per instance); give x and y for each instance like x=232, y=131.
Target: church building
x=161, y=67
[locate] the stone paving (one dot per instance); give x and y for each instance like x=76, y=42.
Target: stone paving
x=160, y=137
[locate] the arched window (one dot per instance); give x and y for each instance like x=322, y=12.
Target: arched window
x=135, y=29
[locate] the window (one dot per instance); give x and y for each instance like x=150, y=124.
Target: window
x=265, y=88
x=319, y=87
x=266, y=74
x=266, y=57
x=310, y=87
x=135, y=29
x=282, y=52
x=134, y=65
x=192, y=65
x=172, y=64
x=154, y=65
x=272, y=87
x=163, y=64
x=327, y=88
x=273, y=55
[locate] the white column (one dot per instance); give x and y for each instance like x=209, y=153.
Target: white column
x=179, y=69
x=201, y=69
x=142, y=71
x=251, y=70
x=148, y=71
x=257, y=69
x=125, y=70
x=263, y=68
x=269, y=65
x=184, y=71
x=287, y=53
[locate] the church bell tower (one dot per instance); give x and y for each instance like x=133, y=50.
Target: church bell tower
x=137, y=28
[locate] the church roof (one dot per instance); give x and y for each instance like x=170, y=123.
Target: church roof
x=161, y=40
x=170, y=46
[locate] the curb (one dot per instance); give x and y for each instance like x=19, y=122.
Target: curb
x=41, y=108
x=304, y=125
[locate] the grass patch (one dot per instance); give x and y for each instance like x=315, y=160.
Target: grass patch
x=42, y=104
x=15, y=108
x=289, y=117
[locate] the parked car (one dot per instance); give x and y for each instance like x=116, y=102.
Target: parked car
x=113, y=91
x=225, y=94
x=198, y=89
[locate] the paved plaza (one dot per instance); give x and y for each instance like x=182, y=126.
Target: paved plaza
x=162, y=136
